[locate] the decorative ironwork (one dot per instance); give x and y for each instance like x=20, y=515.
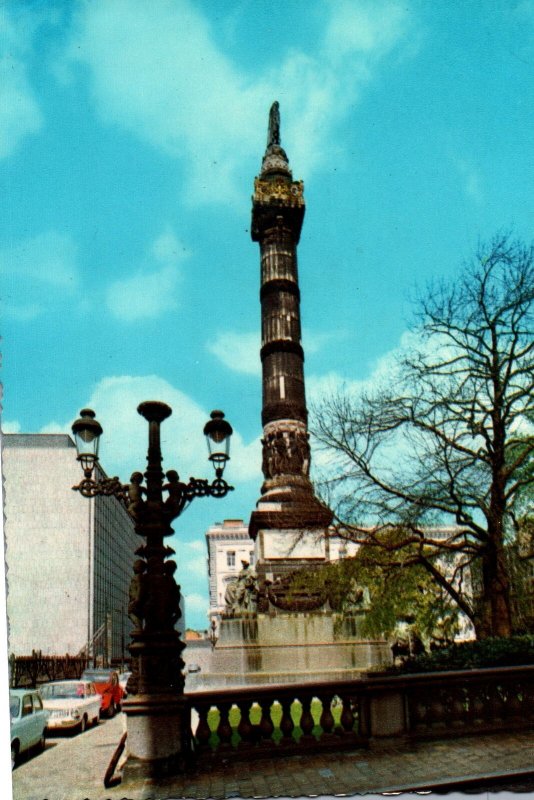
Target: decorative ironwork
x=153, y=499
x=105, y=486
x=179, y=495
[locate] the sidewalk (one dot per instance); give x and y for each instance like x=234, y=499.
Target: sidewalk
x=73, y=769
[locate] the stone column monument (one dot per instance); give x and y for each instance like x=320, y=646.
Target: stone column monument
x=288, y=516
x=270, y=633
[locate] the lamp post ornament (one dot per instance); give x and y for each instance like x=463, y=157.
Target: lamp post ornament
x=158, y=730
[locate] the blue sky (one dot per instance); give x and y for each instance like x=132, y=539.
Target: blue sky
x=130, y=135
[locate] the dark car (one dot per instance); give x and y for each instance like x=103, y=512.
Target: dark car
x=107, y=685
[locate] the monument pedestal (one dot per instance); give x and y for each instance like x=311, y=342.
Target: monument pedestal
x=289, y=647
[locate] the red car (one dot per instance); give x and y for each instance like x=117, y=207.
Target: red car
x=107, y=685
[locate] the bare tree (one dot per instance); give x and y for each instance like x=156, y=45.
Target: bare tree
x=444, y=441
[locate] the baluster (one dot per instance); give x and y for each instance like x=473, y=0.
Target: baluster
x=286, y=723
x=327, y=720
x=459, y=707
x=516, y=702
x=203, y=732
x=478, y=704
x=245, y=728
x=437, y=710
x=481, y=704
x=306, y=719
x=528, y=701
x=497, y=703
x=224, y=730
x=347, y=718
x=418, y=712
x=266, y=723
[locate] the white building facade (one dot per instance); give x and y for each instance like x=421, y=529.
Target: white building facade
x=68, y=558
x=229, y=544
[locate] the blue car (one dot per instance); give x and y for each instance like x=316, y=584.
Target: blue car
x=28, y=722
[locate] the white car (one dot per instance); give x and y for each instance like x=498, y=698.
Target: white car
x=71, y=704
x=28, y=722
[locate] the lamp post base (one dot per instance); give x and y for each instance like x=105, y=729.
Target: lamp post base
x=159, y=736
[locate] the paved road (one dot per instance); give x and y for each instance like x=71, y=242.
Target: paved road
x=74, y=768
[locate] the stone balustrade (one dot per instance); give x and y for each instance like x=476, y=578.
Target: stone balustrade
x=288, y=718
x=310, y=716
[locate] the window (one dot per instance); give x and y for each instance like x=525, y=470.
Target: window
x=27, y=705
x=251, y=558
x=230, y=558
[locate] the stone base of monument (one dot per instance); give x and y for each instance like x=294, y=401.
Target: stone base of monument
x=158, y=735
x=290, y=647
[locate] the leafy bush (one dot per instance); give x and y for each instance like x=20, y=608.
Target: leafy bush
x=496, y=652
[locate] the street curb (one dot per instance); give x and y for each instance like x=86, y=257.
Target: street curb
x=460, y=783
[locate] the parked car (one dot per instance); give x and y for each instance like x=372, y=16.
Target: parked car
x=71, y=704
x=108, y=687
x=28, y=722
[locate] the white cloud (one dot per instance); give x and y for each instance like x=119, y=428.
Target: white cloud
x=48, y=258
x=56, y=427
x=197, y=546
x=239, y=352
x=36, y=271
x=21, y=312
x=381, y=374
x=124, y=444
x=20, y=114
x=364, y=27
x=471, y=180
x=196, y=567
x=314, y=341
x=144, y=295
x=194, y=604
x=11, y=426
x=193, y=559
x=156, y=70
x=150, y=291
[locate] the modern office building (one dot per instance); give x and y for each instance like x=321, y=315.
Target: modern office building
x=69, y=559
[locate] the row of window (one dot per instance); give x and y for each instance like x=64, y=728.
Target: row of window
x=230, y=558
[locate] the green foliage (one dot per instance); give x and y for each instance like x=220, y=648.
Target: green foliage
x=491, y=652
x=443, y=439
x=397, y=593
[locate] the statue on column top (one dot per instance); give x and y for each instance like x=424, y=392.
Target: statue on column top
x=273, y=136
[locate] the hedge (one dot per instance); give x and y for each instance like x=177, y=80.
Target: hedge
x=493, y=652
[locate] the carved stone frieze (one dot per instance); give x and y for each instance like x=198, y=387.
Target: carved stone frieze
x=286, y=452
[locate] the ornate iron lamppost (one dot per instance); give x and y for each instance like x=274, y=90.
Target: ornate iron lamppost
x=158, y=724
